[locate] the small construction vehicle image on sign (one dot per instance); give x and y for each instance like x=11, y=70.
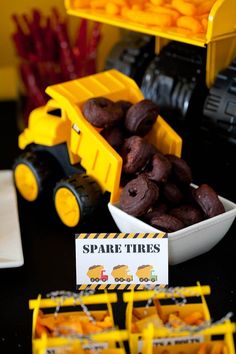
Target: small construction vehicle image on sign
x=146, y=273
x=97, y=273
x=120, y=273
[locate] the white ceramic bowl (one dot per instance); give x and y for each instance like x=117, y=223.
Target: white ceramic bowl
x=188, y=242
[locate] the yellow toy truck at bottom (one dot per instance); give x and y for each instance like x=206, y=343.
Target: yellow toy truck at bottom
x=66, y=156
x=65, y=324
x=216, y=339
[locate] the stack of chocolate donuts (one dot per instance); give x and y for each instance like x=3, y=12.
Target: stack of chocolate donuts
x=156, y=187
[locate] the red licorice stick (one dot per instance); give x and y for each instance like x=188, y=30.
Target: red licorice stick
x=92, y=49
x=66, y=53
x=81, y=47
x=21, y=39
x=29, y=78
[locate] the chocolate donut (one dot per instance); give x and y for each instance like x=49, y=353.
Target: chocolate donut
x=187, y=213
x=208, y=200
x=135, y=153
x=172, y=193
x=167, y=223
x=138, y=196
x=102, y=112
x=180, y=169
x=159, y=168
x=140, y=117
x=114, y=136
x=124, y=105
x=156, y=210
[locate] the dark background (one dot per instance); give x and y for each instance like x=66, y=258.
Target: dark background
x=49, y=247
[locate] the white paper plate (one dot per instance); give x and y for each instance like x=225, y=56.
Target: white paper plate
x=11, y=254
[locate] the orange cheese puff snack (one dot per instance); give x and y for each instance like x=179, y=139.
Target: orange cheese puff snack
x=190, y=23
x=205, y=6
x=90, y=327
x=217, y=348
x=81, y=3
x=98, y=4
x=202, y=349
x=175, y=321
x=68, y=327
x=105, y=324
x=112, y=9
x=159, y=310
x=194, y=318
x=40, y=330
x=184, y=7
x=225, y=349
x=147, y=18
x=137, y=7
x=157, y=2
x=165, y=10
x=141, y=324
x=119, y=2
x=137, y=314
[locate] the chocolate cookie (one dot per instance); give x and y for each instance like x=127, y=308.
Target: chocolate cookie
x=138, y=196
x=208, y=200
x=180, y=169
x=114, y=136
x=159, y=168
x=187, y=213
x=135, y=153
x=167, y=223
x=141, y=116
x=102, y=112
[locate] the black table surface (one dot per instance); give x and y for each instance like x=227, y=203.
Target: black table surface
x=49, y=249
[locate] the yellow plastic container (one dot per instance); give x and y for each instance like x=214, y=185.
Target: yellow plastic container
x=106, y=340
x=132, y=298
x=84, y=142
x=202, y=341
x=219, y=37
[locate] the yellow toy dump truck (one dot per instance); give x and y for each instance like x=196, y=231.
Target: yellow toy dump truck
x=120, y=273
x=64, y=152
x=96, y=273
x=146, y=273
x=58, y=329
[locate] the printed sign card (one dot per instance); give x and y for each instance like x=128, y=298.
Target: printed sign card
x=121, y=260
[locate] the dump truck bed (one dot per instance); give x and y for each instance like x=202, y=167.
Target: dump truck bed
x=219, y=35
x=96, y=156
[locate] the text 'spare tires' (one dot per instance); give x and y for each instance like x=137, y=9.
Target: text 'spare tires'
x=32, y=174
x=76, y=198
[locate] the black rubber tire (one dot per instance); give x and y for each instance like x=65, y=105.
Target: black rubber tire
x=92, y=280
x=97, y=279
x=141, y=279
x=117, y=279
x=86, y=191
x=41, y=166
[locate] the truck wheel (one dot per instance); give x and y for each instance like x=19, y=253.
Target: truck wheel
x=76, y=198
x=32, y=174
x=153, y=279
x=141, y=279
x=92, y=280
x=146, y=279
x=117, y=279
x=97, y=279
